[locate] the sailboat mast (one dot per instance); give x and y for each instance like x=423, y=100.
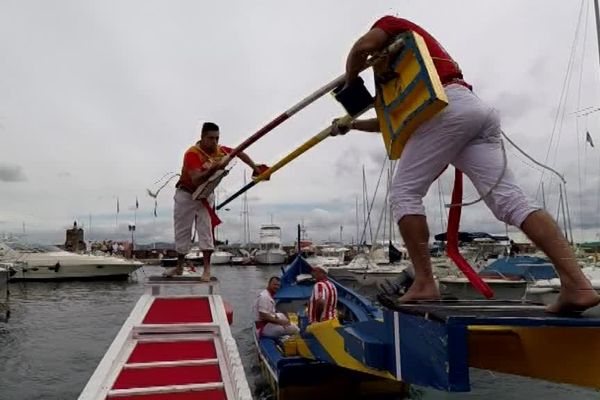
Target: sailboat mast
x=357, y=231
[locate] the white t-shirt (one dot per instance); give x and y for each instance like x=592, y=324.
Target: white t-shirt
x=264, y=303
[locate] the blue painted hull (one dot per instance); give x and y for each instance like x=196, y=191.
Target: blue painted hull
x=295, y=377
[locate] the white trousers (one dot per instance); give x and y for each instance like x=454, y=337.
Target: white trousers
x=185, y=210
x=466, y=134
x=274, y=330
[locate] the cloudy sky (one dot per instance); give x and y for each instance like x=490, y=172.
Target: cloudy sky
x=99, y=99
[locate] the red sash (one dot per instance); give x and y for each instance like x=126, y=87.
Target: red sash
x=259, y=327
x=214, y=218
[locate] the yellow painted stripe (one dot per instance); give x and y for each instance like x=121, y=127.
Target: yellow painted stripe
x=333, y=343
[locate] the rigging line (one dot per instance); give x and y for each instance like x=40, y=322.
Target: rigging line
x=441, y=203
x=155, y=194
x=586, y=113
x=563, y=93
x=583, y=110
x=164, y=176
x=520, y=158
x=504, y=169
x=385, y=159
x=532, y=159
x=569, y=83
x=577, y=124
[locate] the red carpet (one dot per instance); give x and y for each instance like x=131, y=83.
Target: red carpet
x=173, y=351
x=217, y=394
x=165, y=376
x=179, y=311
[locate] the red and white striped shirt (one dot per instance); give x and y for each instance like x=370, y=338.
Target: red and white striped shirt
x=324, y=290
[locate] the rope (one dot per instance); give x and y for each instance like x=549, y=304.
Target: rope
x=556, y=128
x=155, y=194
x=504, y=169
x=368, y=219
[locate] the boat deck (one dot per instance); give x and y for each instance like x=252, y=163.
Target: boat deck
x=436, y=342
x=175, y=347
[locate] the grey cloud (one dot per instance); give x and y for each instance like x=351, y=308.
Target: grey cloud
x=513, y=105
x=12, y=173
x=64, y=174
x=346, y=163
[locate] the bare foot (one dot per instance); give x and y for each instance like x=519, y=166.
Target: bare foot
x=426, y=291
x=205, y=277
x=574, y=301
x=173, y=271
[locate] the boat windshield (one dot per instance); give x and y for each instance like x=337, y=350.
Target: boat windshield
x=23, y=247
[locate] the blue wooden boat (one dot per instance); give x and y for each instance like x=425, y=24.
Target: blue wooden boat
x=320, y=362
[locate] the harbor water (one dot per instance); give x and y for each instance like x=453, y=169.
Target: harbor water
x=58, y=332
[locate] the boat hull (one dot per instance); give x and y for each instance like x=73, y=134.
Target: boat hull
x=462, y=289
x=270, y=257
x=306, y=379
x=4, y=273
x=74, y=272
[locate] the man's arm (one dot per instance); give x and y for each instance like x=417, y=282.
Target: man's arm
x=365, y=125
x=257, y=169
x=368, y=44
x=272, y=318
x=200, y=175
x=246, y=158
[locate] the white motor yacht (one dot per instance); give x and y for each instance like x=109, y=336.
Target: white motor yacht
x=40, y=262
x=270, y=251
x=217, y=257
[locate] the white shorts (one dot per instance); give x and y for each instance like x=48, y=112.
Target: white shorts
x=185, y=210
x=466, y=134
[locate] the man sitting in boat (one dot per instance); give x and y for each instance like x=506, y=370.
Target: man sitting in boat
x=268, y=321
x=323, y=301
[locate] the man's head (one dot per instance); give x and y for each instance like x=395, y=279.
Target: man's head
x=319, y=272
x=273, y=285
x=209, y=137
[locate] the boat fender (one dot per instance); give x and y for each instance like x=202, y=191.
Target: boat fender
x=56, y=267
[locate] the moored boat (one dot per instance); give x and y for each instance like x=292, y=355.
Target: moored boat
x=317, y=364
x=40, y=262
x=172, y=347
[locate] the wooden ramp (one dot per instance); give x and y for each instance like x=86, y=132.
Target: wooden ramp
x=176, y=347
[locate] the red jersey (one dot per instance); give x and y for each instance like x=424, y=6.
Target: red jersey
x=323, y=290
x=446, y=67
x=195, y=158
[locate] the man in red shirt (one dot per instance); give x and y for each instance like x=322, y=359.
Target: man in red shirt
x=466, y=134
x=323, y=301
x=197, y=164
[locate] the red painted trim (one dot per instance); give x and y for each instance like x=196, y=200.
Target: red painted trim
x=217, y=394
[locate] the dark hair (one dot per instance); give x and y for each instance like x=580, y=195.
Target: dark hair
x=271, y=279
x=209, y=126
